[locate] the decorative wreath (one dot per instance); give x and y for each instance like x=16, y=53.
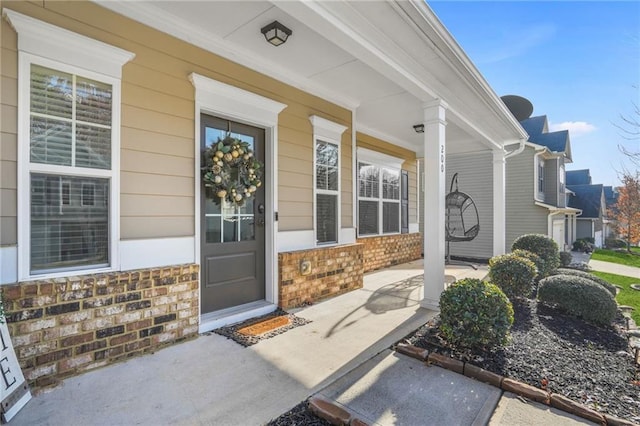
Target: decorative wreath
x=231, y=171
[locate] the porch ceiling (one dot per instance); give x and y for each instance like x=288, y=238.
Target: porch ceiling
x=346, y=52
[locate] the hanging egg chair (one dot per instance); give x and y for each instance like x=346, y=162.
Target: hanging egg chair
x=462, y=222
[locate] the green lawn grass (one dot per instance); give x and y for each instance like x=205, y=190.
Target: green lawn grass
x=627, y=296
x=613, y=256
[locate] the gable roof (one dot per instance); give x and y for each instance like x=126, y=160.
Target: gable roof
x=535, y=125
x=610, y=196
x=538, y=130
x=587, y=198
x=578, y=177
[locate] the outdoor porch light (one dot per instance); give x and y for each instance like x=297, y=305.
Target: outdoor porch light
x=276, y=33
x=419, y=128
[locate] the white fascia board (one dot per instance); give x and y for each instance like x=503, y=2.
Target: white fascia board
x=49, y=41
x=146, y=13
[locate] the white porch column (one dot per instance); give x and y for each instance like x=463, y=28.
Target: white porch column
x=434, y=207
x=499, y=202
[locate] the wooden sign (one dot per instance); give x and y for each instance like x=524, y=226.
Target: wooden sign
x=14, y=392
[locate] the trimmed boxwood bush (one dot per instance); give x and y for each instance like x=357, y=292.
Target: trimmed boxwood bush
x=544, y=247
x=513, y=274
x=475, y=314
x=577, y=273
x=614, y=243
x=537, y=260
x=580, y=297
x=565, y=258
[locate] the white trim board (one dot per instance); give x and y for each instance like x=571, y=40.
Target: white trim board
x=8, y=265
x=156, y=252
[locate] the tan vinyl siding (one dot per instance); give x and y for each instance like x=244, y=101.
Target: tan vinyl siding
x=410, y=164
x=157, y=132
x=8, y=135
x=523, y=216
x=475, y=178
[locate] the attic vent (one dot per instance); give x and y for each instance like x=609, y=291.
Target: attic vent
x=520, y=107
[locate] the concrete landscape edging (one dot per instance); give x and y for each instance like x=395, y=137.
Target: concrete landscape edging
x=510, y=385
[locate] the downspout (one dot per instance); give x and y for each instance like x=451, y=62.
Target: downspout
x=516, y=151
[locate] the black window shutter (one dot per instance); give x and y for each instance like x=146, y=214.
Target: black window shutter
x=404, y=201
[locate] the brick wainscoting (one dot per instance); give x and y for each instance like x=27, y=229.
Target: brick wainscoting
x=334, y=270
x=62, y=327
x=389, y=250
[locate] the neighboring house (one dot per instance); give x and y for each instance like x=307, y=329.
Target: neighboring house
x=536, y=186
x=112, y=246
x=590, y=198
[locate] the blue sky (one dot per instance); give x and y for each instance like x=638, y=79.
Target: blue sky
x=577, y=62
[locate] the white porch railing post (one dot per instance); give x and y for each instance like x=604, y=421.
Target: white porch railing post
x=434, y=197
x=499, y=202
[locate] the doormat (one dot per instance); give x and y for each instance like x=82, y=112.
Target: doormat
x=252, y=331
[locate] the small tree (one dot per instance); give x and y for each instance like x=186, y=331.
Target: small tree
x=628, y=208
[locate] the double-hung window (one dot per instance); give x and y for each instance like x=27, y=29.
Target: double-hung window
x=379, y=203
x=68, y=159
x=541, y=176
x=327, y=135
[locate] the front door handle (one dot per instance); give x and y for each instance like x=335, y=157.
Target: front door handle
x=260, y=222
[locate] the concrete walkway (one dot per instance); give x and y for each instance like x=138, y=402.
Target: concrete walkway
x=343, y=353
x=615, y=268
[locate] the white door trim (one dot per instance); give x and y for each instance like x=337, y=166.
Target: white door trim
x=229, y=102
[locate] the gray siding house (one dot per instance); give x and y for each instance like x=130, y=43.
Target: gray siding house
x=536, y=186
x=590, y=198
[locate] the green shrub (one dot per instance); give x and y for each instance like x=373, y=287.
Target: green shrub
x=513, y=274
x=565, y=258
x=583, y=245
x=544, y=247
x=614, y=243
x=577, y=273
x=537, y=260
x=578, y=296
x=475, y=314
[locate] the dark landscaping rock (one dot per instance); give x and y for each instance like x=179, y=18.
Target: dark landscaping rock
x=570, y=357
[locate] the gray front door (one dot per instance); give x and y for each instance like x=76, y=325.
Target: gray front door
x=232, y=244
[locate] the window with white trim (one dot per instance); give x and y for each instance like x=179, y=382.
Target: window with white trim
x=561, y=178
x=327, y=194
x=326, y=160
x=68, y=159
x=379, y=203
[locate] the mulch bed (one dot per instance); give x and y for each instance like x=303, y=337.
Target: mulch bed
x=565, y=355
x=300, y=415
x=249, y=332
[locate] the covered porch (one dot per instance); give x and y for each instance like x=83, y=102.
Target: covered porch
x=400, y=73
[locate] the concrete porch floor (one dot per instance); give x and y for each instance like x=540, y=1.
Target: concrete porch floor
x=212, y=380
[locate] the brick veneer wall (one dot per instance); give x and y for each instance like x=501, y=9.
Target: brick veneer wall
x=389, y=250
x=334, y=270
x=64, y=326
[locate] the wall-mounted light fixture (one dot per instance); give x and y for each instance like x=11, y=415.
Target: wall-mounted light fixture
x=419, y=128
x=276, y=33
